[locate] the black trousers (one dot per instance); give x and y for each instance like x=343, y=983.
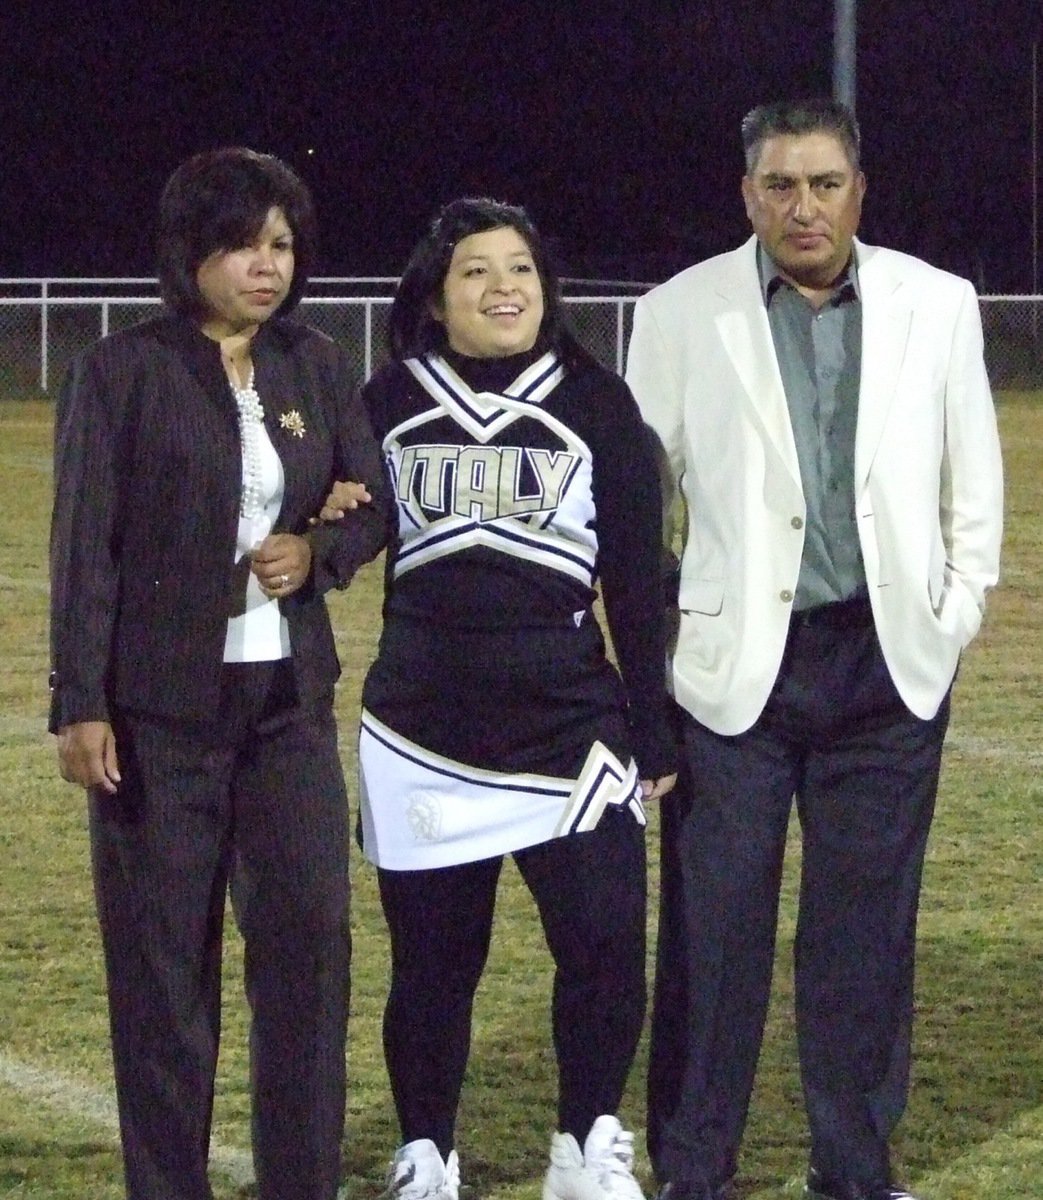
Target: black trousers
x=255, y=799
x=864, y=771
x=590, y=892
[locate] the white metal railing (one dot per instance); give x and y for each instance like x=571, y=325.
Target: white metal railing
x=349, y=309
x=600, y=320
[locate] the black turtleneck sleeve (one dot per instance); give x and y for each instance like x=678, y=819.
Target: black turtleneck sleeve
x=629, y=528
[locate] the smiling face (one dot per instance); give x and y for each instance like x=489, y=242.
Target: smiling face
x=241, y=288
x=492, y=297
x=804, y=200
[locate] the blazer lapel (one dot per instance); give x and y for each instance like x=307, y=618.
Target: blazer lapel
x=202, y=357
x=886, y=320
x=746, y=335
x=292, y=383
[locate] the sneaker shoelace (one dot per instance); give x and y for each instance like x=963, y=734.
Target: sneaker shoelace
x=620, y=1158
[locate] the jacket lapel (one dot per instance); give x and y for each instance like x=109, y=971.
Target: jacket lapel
x=202, y=358
x=744, y=331
x=291, y=383
x=886, y=319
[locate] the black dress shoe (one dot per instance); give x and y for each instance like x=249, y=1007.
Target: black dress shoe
x=818, y=1187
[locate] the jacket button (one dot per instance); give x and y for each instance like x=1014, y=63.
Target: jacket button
x=797, y=522
x=785, y=595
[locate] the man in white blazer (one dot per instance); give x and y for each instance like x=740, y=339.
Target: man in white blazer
x=824, y=415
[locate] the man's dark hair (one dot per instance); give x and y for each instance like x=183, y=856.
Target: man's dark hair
x=219, y=200
x=798, y=117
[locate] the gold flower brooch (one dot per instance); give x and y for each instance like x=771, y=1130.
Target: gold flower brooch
x=292, y=422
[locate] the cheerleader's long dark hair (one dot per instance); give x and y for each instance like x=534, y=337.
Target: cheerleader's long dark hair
x=413, y=329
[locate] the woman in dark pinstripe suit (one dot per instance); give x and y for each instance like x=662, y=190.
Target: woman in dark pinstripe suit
x=193, y=671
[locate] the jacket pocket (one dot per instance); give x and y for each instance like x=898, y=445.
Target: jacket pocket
x=938, y=581
x=702, y=596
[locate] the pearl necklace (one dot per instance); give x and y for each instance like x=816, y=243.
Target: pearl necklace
x=251, y=416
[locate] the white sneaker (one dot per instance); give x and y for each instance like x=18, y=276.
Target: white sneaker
x=604, y=1171
x=418, y=1173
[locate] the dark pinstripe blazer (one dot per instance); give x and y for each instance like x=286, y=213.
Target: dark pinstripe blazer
x=147, y=484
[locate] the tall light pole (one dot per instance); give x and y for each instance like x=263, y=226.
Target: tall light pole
x=1035, y=171
x=844, y=23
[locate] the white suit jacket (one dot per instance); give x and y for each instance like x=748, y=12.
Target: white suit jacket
x=928, y=479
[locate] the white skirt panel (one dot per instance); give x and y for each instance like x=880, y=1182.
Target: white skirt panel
x=420, y=810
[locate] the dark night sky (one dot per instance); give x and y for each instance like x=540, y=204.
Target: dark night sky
x=615, y=123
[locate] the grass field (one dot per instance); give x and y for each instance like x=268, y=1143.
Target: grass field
x=975, y=1124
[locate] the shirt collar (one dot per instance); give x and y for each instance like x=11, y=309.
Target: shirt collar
x=771, y=278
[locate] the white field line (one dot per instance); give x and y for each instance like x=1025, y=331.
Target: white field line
x=68, y=1098
x=1001, y=751
x=997, y=751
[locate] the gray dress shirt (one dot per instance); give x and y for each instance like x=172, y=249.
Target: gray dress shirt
x=819, y=352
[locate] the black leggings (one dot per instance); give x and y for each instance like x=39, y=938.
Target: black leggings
x=590, y=892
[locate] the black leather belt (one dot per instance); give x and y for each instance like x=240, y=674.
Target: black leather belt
x=843, y=614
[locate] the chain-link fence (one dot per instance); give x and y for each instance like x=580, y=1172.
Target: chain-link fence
x=43, y=324
x=1013, y=327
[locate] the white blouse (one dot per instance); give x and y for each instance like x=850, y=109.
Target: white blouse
x=260, y=632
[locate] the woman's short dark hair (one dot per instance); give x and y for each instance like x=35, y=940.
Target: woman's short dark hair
x=219, y=200
x=413, y=329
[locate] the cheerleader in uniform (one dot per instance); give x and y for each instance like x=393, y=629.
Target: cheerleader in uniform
x=493, y=723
